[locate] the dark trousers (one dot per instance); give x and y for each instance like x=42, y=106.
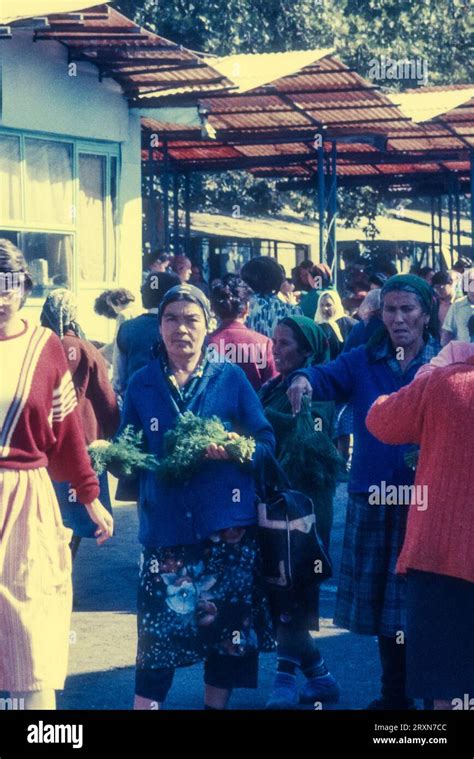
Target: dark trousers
x=392, y=657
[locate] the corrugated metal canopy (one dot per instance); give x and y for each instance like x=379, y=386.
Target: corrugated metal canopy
x=426, y=103
x=272, y=135
x=251, y=71
x=135, y=57
x=405, y=227
x=14, y=10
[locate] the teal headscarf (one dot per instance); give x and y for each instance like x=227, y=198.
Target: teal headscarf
x=414, y=284
x=309, y=334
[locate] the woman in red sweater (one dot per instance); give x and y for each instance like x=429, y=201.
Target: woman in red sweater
x=40, y=430
x=436, y=411
x=233, y=340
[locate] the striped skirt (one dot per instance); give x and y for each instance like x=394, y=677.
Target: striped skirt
x=35, y=583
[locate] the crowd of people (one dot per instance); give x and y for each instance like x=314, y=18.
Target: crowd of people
x=392, y=414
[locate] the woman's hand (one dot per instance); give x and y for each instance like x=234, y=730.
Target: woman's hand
x=101, y=517
x=218, y=452
x=298, y=388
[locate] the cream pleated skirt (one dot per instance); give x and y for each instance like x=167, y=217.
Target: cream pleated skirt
x=35, y=583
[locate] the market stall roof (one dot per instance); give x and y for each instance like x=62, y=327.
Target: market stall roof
x=135, y=57
x=307, y=90
x=427, y=103
x=403, y=226
x=268, y=127
x=14, y=10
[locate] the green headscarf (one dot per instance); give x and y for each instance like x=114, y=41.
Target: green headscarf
x=309, y=335
x=412, y=284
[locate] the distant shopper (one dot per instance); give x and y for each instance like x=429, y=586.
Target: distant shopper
x=136, y=337
x=287, y=292
x=198, y=280
x=118, y=304
x=96, y=403
x=181, y=265
x=444, y=285
x=332, y=319
x=232, y=339
x=264, y=275
x=426, y=273
x=455, y=326
x=319, y=279
x=156, y=263
x=370, y=314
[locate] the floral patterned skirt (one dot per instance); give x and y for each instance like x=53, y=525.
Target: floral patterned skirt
x=194, y=600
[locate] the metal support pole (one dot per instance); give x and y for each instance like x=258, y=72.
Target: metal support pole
x=472, y=203
x=187, y=213
x=440, y=223
x=433, y=231
x=176, y=249
x=333, y=213
x=450, y=212
x=458, y=215
x=166, y=185
x=152, y=210
x=321, y=204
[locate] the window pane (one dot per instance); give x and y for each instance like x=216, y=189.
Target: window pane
x=114, y=220
x=10, y=181
x=49, y=191
x=92, y=249
x=49, y=258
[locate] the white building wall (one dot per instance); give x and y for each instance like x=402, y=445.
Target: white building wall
x=40, y=95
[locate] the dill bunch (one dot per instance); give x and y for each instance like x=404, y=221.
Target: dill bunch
x=124, y=456
x=308, y=456
x=185, y=445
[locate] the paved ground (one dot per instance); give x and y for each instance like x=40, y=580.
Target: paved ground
x=103, y=636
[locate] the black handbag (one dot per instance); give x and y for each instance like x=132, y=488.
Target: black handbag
x=291, y=550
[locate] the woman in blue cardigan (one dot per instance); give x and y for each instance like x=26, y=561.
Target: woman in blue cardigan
x=371, y=597
x=200, y=595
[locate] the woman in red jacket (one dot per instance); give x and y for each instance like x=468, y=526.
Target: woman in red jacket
x=436, y=411
x=40, y=430
x=96, y=403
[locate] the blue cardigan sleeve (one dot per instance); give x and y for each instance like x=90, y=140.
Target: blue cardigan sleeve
x=336, y=380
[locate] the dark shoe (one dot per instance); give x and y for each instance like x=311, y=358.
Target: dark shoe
x=323, y=688
x=284, y=694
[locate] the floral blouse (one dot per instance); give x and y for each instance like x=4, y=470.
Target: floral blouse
x=266, y=311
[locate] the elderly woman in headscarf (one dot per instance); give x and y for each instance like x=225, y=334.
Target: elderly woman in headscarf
x=200, y=594
x=298, y=343
x=371, y=597
x=96, y=403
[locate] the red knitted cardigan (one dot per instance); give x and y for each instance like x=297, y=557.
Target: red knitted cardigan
x=41, y=426
x=436, y=411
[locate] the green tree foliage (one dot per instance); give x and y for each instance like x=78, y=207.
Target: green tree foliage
x=436, y=31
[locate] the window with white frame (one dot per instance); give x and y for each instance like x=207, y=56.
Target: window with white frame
x=58, y=203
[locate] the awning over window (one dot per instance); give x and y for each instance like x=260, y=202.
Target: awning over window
x=14, y=10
